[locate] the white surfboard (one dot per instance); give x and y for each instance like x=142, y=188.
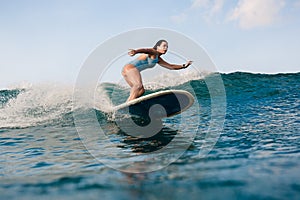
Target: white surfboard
x=159, y=105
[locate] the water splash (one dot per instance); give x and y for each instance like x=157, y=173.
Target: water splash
x=35, y=105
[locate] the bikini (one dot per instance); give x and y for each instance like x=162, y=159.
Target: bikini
x=144, y=64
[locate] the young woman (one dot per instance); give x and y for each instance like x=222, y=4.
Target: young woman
x=149, y=58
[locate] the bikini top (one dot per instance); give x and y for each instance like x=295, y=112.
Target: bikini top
x=144, y=64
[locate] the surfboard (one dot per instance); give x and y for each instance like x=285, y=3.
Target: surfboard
x=158, y=105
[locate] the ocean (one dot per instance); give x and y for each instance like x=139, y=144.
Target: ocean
x=50, y=150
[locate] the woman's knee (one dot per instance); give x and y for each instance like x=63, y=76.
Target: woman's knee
x=139, y=88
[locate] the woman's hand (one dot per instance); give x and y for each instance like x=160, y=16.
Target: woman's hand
x=131, y=52
x=188, y=63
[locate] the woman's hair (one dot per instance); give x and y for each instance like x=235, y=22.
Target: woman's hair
x=158, y=43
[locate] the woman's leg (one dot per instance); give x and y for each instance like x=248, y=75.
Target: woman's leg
x=134, y=79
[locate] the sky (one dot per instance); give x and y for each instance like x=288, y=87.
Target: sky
x=43, y=40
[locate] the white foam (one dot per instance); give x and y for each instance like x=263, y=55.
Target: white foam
x=36, y=104
x=102, y=100
x=164, y=80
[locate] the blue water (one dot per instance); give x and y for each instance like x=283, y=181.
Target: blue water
x=256, y=155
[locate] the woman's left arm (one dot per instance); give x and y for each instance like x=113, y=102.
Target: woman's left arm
x=167, y=65
x=150, y=51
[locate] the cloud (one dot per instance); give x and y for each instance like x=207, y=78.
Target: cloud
x=215, y=9
x=199, y=4
x=255, y=13
x=247, y=13
x=208, y=9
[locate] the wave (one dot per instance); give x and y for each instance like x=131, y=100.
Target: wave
x=52, y=104
x=34, y=105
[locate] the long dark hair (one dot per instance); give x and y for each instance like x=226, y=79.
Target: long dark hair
x=158, y=43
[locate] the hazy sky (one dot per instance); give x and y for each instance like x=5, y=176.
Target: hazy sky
x=48, y=40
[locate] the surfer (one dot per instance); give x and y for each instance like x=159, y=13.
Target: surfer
x=149, y=58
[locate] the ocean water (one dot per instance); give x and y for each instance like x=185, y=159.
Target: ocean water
x=45, y=154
